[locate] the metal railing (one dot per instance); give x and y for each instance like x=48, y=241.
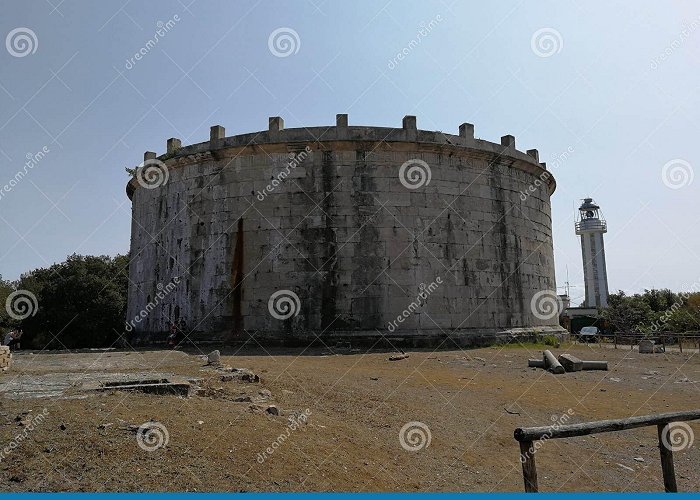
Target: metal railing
x=591, y=225
x=527, y=435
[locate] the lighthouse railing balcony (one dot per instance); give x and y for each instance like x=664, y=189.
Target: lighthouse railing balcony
x=597, y=225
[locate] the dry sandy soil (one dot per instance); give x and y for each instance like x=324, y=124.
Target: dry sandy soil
x=470, y=401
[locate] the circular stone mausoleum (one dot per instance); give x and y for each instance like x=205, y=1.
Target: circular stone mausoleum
x=342, y=233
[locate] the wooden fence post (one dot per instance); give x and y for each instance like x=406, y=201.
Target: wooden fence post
x=527, y=458
x=663, y=421
x=666, y=460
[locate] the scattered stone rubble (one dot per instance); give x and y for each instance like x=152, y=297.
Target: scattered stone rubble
x=240, y=374
x=257, y=401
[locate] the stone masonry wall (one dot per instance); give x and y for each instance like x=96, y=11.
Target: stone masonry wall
x=341, y=231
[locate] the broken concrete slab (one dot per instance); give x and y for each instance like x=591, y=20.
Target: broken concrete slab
x=69, y=385
x=162, y=386
x=570, y=363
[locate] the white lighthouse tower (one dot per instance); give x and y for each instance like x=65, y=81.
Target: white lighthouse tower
x=591, y=226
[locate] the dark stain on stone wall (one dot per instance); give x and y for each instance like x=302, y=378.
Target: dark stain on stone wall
x=329, y=245
x=237, y=282
x=510, y=258
x=367, y=283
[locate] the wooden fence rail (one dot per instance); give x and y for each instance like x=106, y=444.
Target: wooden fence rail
x=527, y=435
x=691, y=339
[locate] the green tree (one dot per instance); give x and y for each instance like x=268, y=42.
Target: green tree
x=6, y=321
x=660, y=300
x=685, y=318
x=82, y=302
x=654, y=311
x=627, y=314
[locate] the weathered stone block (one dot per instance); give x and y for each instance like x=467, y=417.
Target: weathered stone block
x=646, y=346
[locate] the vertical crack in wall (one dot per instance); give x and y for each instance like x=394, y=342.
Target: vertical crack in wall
x=237, y=283
x=510, y=260
x=329, y=287
x=369, y=253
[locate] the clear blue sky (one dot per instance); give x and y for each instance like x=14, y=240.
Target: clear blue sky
x=603, y=93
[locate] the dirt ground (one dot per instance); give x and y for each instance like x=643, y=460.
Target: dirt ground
x=467, y=402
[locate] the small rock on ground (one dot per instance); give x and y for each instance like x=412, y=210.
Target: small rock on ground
x=214, y=358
